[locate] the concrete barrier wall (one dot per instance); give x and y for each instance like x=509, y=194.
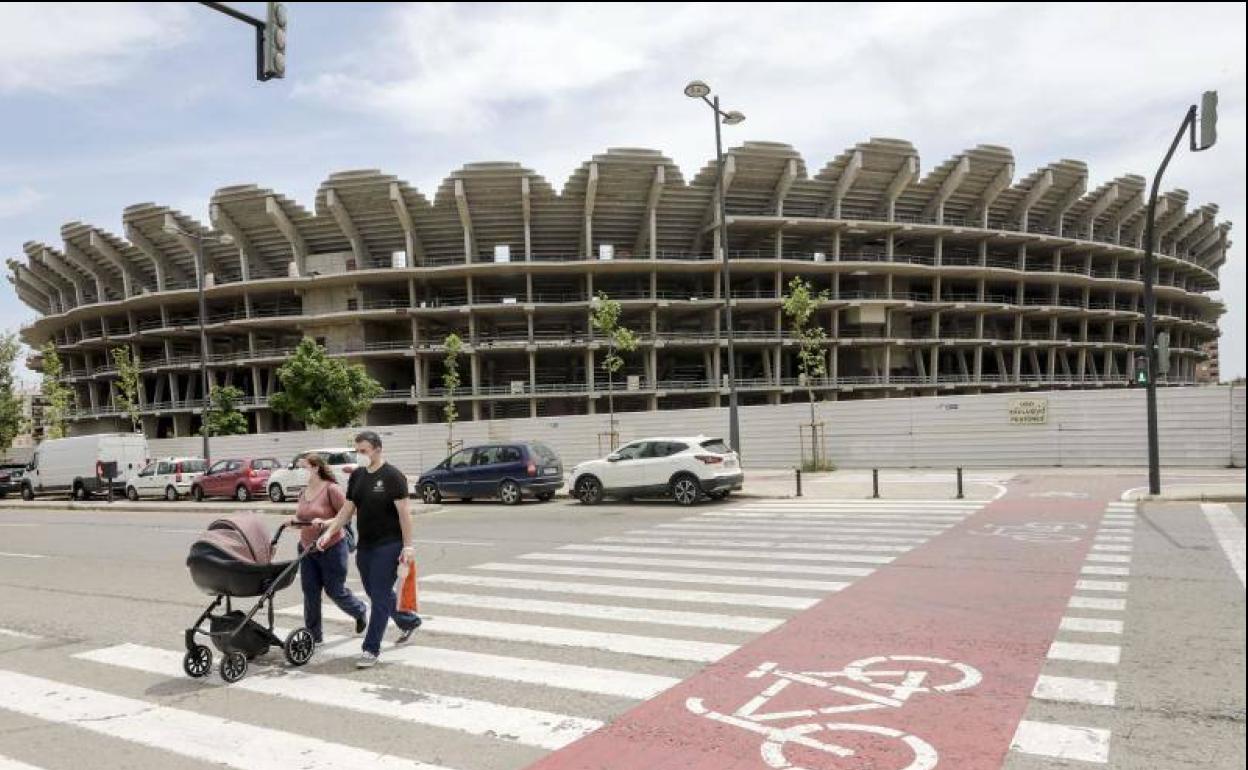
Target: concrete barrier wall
x=1200, y=427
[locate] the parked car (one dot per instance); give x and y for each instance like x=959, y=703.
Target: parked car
x=509, y=471
x=686, y=469
x=240, y=479
x=290, y=481
x=76, y=465
x=11, y=478
x=170, y=478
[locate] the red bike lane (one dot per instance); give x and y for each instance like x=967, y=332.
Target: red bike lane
x=971, y=616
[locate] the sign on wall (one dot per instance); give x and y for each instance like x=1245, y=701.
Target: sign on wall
x=1029, y=411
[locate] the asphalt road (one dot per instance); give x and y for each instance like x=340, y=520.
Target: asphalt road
x=569, y=637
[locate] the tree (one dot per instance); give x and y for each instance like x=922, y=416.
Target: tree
x=322, y=391
x=605, y=319
x=450, y=384
x=58, y=398
x=12, y=421
x=800, y=305
x=127, y=386
x=224, y=419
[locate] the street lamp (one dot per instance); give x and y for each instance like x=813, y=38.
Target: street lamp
x=199, y=240
x=1208, y=135
x=700, y=90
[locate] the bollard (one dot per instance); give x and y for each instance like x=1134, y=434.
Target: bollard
x=959, y=482
x=797, y=472
x=875, y=483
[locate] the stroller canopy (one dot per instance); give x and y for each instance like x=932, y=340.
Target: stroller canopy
x=242, y=536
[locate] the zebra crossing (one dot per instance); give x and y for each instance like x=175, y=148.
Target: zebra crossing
x=517, y=657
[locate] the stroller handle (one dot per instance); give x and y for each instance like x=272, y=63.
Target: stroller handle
x=278, y=535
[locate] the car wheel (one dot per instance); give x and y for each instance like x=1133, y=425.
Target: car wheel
x=27, y=492
x=276, y=494
x=171, y=494
x=241, y=494
x=589, y=490
x=686, y=490
x=197, y=493
x=509, y=492
x=80, y=491
x=132, y=494
x=429, y=493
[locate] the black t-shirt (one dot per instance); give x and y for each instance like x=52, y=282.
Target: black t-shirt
x=374, y=495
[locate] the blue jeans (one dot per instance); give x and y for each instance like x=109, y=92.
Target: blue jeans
x=379, y=568
x=327, y=571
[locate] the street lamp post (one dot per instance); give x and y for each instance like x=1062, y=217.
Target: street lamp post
x=1208, y=135
x=698, y=90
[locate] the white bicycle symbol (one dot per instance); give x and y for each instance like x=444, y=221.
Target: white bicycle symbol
x=882, y=682
x=1035, y=531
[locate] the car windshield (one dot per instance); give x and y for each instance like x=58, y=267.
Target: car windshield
x=193, y=466
x=342, y=458
x=545, y=453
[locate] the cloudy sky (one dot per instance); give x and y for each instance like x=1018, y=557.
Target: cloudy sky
x=107, y=105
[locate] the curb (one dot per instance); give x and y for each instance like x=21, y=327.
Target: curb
x=271, y=509
x=1213, y=497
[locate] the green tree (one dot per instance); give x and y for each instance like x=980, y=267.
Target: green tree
x=126, y=388
x=321, y=391
x=224, y=419
x=58, y=398
x=604, y=317
x=450, y=384
x=812, y=363
x=12, y=421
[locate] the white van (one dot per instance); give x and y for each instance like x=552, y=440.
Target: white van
x=75, y=465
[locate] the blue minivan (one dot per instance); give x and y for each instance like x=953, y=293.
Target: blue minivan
x=509, y=471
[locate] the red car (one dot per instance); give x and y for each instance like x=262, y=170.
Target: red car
x=239, y=479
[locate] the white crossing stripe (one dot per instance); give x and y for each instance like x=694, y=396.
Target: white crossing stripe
x=1112, y=586
x=1114, y=548
x=830, y=529
x=852, y=557
x=630, y=592
x=731, y=566
x=1086, y=744
x=187, y=733
x=1092, y=692
x=1086, y=653
x=941, y=518
x=645, y=646
x=858, y=505
x=1114, y=539
x=1116, y=530
x=508, y=723
x=13, y=764
x=1109, y=558
x=1097, y=603
x=10, y=555
x=1094, y=570
x=1091, y=625
x=1229, y=533
x=729, y=530
x=812, y=518
x=603, y=612
x=755, y=544
x=667, y=577
x=17, y=634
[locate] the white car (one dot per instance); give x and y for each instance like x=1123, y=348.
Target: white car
x=684, y=468
x=170, y=478
x=288, y=482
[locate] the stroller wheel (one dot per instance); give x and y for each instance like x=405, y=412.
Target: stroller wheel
x=197, y=662
x=233, y=667
x=299, y=647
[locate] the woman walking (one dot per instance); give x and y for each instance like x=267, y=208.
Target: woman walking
x=325, y=570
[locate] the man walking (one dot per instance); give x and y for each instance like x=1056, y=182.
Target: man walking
x=377, y=492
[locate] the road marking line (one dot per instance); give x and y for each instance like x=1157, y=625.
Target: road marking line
x=754, y=544
x=1097, y=603
x=645, y=646
x=22, y=555
x=1086, y=653
x=631, y=592
x=822, y=514
x=869, y=504
x=845, y=557
x=832, y=529
x=1112, y=586
x=874, y=521
x=1065, y=689
x=16, y=525
x=13, y=764
x=742, y=531
x=1230, y=534
x=1091, y=625
x=456, y=542
x=1116, y=548
x=187, y=733
x=1116, y=530
x=1086, y=744
x=17, y=634
x=603, y=612
x=1109, y=558
x=1113, y=539
x=1094, y=570
x=667, y=577
x=637, y=561
x=476, y=717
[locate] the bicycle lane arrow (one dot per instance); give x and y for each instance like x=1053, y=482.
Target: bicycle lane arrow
x=985, y=598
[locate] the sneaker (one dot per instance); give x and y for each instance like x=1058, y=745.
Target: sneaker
x=406, y=634
x=361, y=623
x=366, y=660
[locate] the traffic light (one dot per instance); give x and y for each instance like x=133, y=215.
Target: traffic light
x=275, y=41
x=1141, y=370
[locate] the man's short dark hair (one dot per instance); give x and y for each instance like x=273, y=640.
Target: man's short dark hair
x=369, y=436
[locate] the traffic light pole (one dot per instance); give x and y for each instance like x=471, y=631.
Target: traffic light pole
x=262, y=73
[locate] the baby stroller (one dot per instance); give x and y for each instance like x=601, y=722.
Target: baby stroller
x=233, y=559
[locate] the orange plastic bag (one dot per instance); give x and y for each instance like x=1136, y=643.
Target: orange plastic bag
x=407, y=590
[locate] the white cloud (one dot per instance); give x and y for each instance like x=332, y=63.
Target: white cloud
x=19, y=201
x=57, y=47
